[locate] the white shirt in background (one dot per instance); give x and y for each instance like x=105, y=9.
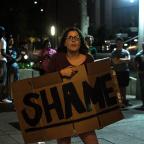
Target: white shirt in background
x=3, y=46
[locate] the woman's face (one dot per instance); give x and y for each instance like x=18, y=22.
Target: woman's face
x=72, y=41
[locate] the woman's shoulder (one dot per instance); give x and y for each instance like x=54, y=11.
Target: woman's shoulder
x=58, y=55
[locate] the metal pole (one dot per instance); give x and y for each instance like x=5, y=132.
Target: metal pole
x=84, y=17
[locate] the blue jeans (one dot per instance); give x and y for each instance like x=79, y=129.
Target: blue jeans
x=14, y=69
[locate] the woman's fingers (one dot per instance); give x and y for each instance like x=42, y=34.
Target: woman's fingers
x=69, y=71
x=74, y=70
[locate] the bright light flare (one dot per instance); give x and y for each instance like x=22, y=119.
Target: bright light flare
x=41, y=9
x=125, y=44
x=35, y=2
x=25, y=57
x=52, y=30
x=135, y=40
x=132, y=1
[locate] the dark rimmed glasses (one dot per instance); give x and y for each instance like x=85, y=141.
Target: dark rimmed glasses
x=73, y=38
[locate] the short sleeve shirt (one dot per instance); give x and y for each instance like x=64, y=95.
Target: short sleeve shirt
x=122, y=53
x=2, y=46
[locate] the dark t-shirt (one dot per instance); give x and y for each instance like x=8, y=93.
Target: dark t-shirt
x=59, y=61
x=122, y=53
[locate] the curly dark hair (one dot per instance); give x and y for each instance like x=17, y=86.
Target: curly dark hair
x=83, y=49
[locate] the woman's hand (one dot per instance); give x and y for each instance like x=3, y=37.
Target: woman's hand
x=68, y=71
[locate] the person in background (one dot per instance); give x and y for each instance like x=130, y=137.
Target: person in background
x=3, y=67
x=120, y=59
x=72, y=52
x=139, y=62
x=12, y=55
x=12, y=65
x=45, y=54
x=89, y=43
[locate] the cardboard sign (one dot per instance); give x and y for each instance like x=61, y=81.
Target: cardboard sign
x=49, y=108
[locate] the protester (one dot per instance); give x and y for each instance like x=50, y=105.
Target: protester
x=139, y=61
x=120, y=59
x=72, y=52
x=45, y=54
x=3, y=67
x=12, y=65
x=89, y=43
x=12, y=55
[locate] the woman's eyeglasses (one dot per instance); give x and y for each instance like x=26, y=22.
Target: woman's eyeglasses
x=75, y=38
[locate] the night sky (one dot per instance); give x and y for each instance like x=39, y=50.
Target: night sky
x=24, y=17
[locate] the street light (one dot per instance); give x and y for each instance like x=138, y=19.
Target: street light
x=35, y=2
x=53, y=31
x=41, y=9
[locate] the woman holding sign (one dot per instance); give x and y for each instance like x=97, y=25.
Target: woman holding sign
x=71, y=53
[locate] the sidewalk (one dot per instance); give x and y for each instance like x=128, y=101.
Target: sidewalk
x=130, y=130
